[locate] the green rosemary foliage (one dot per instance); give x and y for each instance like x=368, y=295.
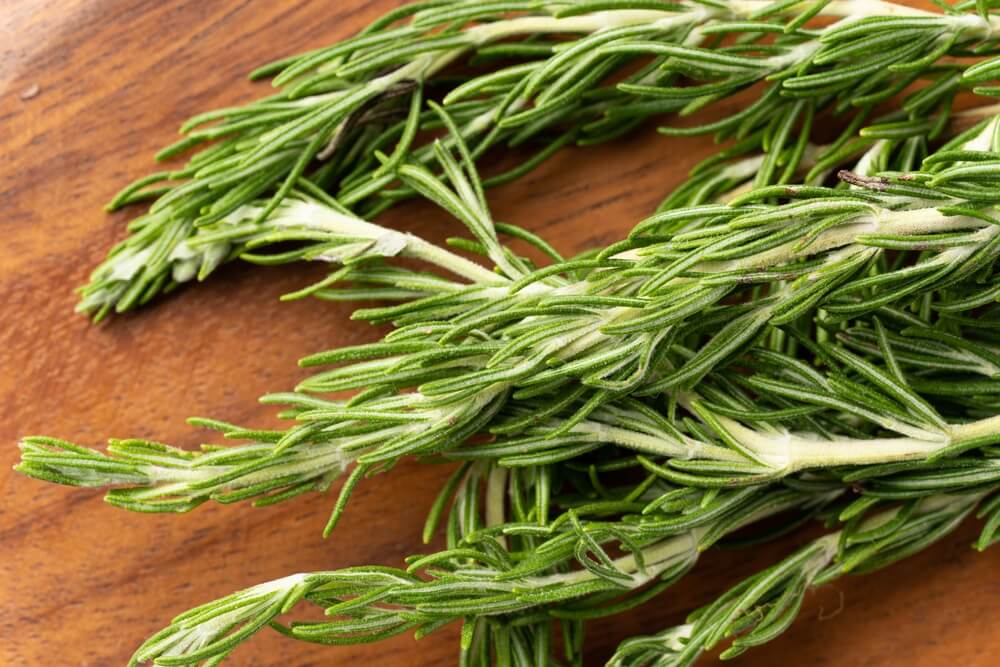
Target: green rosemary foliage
x=518, y=574
x=763, y=606
x=342, y=108
x=546, y=360
x=754, y=348
x=554, y=572
x=742, y=430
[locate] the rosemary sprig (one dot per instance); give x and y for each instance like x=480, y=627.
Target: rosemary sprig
x=335, y=112
x=763, y=606
x=481, y=582
x=747, y=431
x=569, y=576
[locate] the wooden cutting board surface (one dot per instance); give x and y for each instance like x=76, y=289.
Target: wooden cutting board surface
x=89, y=89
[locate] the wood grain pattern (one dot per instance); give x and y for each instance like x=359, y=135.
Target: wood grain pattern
x=82, y=583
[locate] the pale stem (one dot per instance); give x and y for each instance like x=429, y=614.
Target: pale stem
x=588, y=23
x=496, y=492
x=388, y=242
x=658, y=445
x=790, y=452
x=660, y=556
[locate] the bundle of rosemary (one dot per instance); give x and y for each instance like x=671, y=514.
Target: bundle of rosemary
x=755, y=348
